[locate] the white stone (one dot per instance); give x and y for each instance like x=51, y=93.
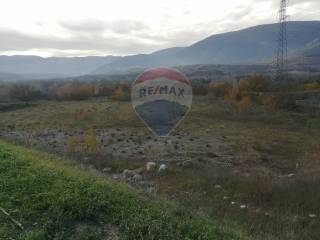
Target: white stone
x=137, y=178
x=163, y=168
x=151, y=166
x=128, y=173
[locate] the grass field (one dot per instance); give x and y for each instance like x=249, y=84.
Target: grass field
x=54, y=200
x=258, y=168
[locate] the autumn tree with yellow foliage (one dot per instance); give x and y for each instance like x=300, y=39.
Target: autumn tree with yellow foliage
x=118, y=94
x=93, y=144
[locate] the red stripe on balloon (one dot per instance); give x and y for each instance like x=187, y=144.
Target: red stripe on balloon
x=161, y=72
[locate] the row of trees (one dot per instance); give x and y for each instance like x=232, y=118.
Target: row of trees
x=259, y=90
x=66, y=91
x=241, y=92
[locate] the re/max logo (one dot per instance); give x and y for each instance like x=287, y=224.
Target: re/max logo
x=161, y=90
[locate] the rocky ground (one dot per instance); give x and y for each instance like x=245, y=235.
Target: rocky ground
x=125, y=144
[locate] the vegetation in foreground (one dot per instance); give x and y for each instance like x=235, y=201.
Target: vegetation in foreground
x=55, y=200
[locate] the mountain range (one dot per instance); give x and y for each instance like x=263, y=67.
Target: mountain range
x=254, y=45
x=35, y=67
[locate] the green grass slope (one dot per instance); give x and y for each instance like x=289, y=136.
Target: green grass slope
x=53, y=199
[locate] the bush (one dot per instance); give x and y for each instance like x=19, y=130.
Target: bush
x=121, y=93
x=219, y=89
x=276, y=102
x=254, y=83
x=311, y=86
x=239, y=100
x=74, y=91
x=92, y=142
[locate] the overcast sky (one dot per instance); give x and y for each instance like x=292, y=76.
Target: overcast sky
x=123, y=27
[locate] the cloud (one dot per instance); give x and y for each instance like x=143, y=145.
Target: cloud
x=89, y=25
x=293, y=3
x=142, y=30
x=124, y=26
x=16, y=41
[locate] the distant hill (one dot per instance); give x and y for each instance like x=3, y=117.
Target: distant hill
x=38, y=67
x=312, y=49
x=248, y=46
x=9, y=77
x=307, y=58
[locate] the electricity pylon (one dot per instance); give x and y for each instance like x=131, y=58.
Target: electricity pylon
x=282, y=49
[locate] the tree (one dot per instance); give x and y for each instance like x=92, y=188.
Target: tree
x=74, y=91
x=24, y=92
x=219, y=89
x=118, y=94
x=254, y=83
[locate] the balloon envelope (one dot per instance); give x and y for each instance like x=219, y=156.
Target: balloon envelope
x=161, y=97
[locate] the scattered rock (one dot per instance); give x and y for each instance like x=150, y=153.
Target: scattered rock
x=128, y=173
x=187, y=164
x=163, y=168
x=139, y=170
x=116, y=176
x=137, y=178
x=151, y=166
x=107, y=170
x=91, y=167
x=86, y=159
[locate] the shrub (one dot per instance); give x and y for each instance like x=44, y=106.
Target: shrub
x=238, y=99
x=92, y=142
x=73, y=144
x=118, y=94
x=254, y=83
x=219, y=89
x=311, y=86
x=276, y=102
x=73, y=91
x=244, y=104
